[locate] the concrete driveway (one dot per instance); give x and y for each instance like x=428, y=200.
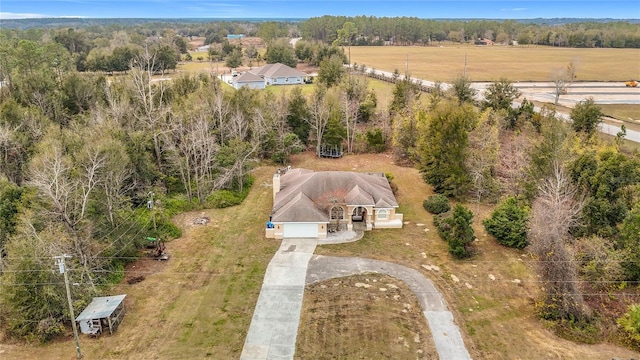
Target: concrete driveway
x=274, y=326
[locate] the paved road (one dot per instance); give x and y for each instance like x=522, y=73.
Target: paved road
x=601, y=92
x=274, y=326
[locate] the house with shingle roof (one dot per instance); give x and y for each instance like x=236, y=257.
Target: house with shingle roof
x=312, y=204
x=249, y=80
x=270, y=74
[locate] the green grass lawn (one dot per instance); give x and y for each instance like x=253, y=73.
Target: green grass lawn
x=625, y=112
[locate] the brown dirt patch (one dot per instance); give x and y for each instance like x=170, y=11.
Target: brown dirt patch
x=367, y=316
x=138, y=270
x=306, y=68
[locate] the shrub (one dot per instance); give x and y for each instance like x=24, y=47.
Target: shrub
x=455, y=228
x=392, y=185
x=376, y=140
x=630, y=322
x=177, y=204
x=508, y=224
x=225, y=198
x=437, y=204
x=598, y=261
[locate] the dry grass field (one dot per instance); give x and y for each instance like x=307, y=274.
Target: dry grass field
x=199, y=304
x=489, y=63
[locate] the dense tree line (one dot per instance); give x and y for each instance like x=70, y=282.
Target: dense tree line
x=81, y=152
x=373, y=30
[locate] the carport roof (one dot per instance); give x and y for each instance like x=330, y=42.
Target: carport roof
x=101, y=307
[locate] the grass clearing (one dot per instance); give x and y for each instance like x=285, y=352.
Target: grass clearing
x=388, y=325
x=489, y=63
x=624, y=112
x=307, y=89
x=200, y=66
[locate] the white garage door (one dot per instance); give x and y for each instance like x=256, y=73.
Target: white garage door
x=300, y=230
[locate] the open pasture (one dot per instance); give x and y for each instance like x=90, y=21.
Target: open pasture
x=489, y=63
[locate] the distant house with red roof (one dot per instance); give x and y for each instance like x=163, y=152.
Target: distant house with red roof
x=484, y=42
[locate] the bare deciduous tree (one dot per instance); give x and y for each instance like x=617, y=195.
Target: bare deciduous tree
x=554, y=211
x=483, y=154
x=562, y=78
x=320, y=113
x=353, y=93
x=512, y=158
x=149, y=97
x=192, y=145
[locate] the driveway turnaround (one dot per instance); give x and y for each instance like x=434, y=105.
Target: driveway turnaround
x=274, y=326
x=446, y=334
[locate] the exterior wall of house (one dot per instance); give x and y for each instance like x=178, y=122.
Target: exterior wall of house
x=284, y=80
x=250, y=85
x=276, y=185
x=322, y=231
x=277, y=232
x=387, y=219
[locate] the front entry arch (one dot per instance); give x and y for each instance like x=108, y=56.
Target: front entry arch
x=359, y=214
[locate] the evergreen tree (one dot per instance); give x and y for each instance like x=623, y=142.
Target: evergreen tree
x=405, y=93
x=298, y=111
x=443, y=150
x=500, y=95
x=508, y=223
x=586, y=116
x=281, y=52
x=462, y=90
x=455, y=228
x=331, y=71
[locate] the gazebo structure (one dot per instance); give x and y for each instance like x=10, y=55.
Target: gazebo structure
x=103, y=313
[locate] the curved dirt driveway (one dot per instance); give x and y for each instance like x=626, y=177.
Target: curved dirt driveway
x=446, y=334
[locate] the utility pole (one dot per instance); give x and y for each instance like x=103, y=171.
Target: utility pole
x=61, y=265
x=406, y=70
x=465, y=65
x=151, y=206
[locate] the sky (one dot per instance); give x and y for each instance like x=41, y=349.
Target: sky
x=426, y=9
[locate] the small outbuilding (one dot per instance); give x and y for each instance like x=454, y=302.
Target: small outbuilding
x=103, y=313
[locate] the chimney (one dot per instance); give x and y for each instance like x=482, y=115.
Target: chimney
x=276, y=184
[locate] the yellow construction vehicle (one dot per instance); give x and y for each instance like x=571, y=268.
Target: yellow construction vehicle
x=631, y=83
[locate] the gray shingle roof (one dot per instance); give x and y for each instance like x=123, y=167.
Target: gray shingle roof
x=248, y=77
x=277, y=70
x=307, y=196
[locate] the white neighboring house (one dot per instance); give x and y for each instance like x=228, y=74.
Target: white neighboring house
x=249, y=80
x=271, y=74
x=310, y=204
